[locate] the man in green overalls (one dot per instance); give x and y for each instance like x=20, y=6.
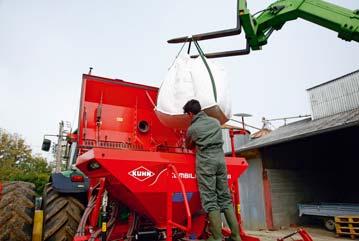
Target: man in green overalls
x=206, y=135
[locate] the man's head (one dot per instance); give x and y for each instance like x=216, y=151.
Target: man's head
x=192, y=107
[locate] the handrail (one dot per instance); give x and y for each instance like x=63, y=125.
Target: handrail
x=172, y=168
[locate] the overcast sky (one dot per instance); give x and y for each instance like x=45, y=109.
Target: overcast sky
x=45, y=46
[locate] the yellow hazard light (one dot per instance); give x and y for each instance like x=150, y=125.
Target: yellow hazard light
x=104, y=227
x=238, y=208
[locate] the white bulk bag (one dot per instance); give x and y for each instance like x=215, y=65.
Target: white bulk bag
x=188, y=79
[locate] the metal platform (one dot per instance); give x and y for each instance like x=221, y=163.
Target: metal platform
x=328, y=209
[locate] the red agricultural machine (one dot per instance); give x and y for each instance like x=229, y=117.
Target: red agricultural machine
x=138, y=168
x=139, y=178
x=136, y=180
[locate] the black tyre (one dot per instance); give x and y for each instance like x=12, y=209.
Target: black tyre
x=17, y=207
x=62, y=215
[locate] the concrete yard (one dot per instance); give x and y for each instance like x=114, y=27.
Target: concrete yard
x=318, y=234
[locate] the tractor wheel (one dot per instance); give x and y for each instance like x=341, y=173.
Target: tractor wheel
x=17, y=207
x=62, y=215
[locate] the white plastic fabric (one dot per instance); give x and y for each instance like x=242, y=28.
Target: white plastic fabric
x=188, y=79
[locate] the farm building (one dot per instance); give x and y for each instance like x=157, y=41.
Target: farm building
x=313, y=160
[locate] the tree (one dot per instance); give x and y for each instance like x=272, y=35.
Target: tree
x=17, y=163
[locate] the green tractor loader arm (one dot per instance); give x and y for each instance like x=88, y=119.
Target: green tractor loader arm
x=258, y=29
x=336, y=18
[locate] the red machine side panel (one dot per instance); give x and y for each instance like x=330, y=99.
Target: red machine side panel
x=141, y=180
x=112, y=113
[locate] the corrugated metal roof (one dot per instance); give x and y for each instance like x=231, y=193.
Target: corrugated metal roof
x=335, y=96
x=316, y=86
x=305, y=128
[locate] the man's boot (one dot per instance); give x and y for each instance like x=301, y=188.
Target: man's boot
x=232, y=223
x=215, y=225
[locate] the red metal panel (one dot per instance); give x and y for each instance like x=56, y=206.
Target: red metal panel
x=123, y=105
x=267, y=200
x=139, y=180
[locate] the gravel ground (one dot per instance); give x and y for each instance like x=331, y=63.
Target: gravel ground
x=317, y=234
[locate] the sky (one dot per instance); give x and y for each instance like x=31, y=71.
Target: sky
x=46, y=46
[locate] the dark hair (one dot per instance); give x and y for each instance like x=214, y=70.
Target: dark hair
x=192, y=106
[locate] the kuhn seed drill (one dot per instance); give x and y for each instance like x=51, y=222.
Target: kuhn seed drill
x=138, y=168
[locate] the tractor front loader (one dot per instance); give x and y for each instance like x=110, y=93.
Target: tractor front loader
x=259, y=29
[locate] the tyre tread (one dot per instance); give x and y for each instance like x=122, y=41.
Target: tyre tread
x=17, y=207
x=62, y=215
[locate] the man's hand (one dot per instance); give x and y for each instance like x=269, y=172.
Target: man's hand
x=189, y=143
